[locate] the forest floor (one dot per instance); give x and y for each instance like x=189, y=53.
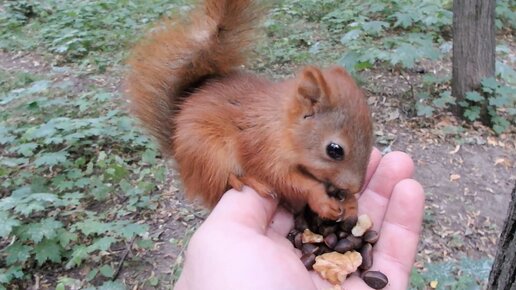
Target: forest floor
x=466, y=170
x=467, y=179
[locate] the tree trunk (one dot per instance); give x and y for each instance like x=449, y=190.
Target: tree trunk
x=474, y=47
x=503, y=273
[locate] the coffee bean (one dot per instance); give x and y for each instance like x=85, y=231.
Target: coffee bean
x=327, y=229
x=370, y=237
x=313, y=221
x=357, y=242
x=375, y=279
x=309, y=249
x=367, y=257
x=331, y=240
x=342, y=235
x=291, y=235
x=347, y=224
x=323, y=249
x=344, y=246
x=308, y=260
x=298, y=240
x=300, y=223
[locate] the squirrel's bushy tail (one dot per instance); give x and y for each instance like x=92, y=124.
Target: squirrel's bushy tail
x=179, y=55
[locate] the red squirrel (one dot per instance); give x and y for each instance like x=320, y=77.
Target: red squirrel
x=227, y=127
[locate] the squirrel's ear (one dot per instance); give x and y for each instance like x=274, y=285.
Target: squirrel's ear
x=312, y=86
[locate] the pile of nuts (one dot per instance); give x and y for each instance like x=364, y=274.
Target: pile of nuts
x=337, y=249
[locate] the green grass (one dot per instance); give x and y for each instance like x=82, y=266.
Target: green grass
x=466, y=274
x=91, y=33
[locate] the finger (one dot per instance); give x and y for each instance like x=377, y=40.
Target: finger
x=395, y=251
x=181, y=284
x=282, y=222
x=245, y=207
x=393, y=168
x=374, y=160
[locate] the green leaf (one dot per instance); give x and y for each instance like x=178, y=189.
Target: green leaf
x=89, y=227
x=18, y=253
x=14, y=162
x=350, y=35
x=153, y=281
x=112, y=286
x=48, y=250
x=145, y=243
x=65, y=237
x=474, y=97
x=26, y=149
x=500, y=124
x=7, y=224
x=405, y=54
x=402, y=19
x=92, y=274
x=350, y=60
x=79, y=253
x=51, y=159
x=424, y=110
x=46, y=228
x=445, y=98
x=102, y=244
x=375, y=27
x=35, y=202
x=28, y=208
x=472, y=113
x=149, y=156
x=500, y=101
x=13, y=272
x=130, y=230
x=489, y=85
x=117, y=172
x=45, y=130
x=107, y=271
x=5, y=135
x=8, y=203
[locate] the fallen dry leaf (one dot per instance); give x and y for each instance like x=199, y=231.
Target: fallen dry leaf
x=334, y=266
x=454, y=177
x=504, y=162
x=457, y=148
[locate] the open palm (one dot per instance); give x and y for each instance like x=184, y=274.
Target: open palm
x=242, y=244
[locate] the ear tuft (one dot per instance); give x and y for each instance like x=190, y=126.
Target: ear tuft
x=312, y=85
x=308, y=87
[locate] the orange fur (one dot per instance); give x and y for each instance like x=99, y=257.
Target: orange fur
x=227, y=127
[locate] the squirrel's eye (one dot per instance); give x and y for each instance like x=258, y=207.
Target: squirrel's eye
x=335, y=151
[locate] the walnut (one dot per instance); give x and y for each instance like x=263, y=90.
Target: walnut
x=335, y=266
x=363, y=224
x=310, y=237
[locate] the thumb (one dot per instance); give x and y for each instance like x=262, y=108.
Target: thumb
x=246, y=208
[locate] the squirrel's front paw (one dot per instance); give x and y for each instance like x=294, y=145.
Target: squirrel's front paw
x=350, y=206
x=328, y=208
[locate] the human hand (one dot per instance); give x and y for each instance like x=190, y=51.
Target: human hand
x=242, y=243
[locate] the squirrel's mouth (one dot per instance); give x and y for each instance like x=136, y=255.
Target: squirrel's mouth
x=331, y=189
x=336, y=192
